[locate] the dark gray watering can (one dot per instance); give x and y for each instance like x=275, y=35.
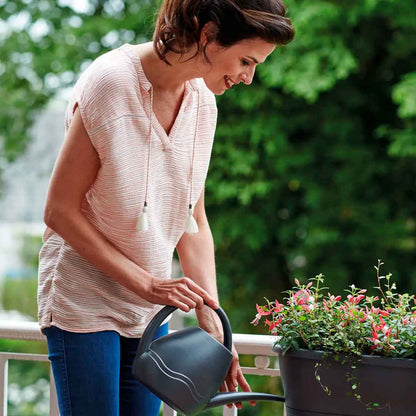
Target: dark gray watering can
x=186, y=368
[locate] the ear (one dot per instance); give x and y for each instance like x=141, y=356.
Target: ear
x=208, y=33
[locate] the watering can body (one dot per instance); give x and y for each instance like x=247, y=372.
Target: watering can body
x=186, y=368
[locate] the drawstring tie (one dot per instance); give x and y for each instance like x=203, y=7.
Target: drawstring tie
x=190, y=226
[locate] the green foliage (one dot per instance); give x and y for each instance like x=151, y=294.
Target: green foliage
x=29, y=250
x=20, y=295
x=44, y=46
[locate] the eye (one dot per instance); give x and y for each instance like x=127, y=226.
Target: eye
x=244, y=62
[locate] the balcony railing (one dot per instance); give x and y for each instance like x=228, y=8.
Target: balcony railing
x=258, y=346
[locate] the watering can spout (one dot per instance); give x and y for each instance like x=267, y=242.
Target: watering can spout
x=222, y=399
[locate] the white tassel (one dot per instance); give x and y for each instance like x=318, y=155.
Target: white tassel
x=191, y=227
x=143, y=223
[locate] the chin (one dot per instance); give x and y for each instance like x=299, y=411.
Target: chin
x=217, y=90
x=214, y=88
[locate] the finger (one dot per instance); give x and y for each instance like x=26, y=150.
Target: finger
x=231, y=379
x=238, y=405
x=242, y=382
x=232, y=374
x=201, y=292
x=224, y=389
x=176, y=298
x=180, y=305
x=195, y=297
x=182, y=299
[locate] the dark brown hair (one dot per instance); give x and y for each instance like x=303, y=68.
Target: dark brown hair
x=180, y=22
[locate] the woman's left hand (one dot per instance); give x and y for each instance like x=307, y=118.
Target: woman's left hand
x=235, y=378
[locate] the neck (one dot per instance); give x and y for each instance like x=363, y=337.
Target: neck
x=170, y=78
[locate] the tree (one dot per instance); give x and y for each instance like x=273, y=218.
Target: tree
x=44, y=46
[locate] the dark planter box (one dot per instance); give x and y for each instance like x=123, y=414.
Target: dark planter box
x=391, y=382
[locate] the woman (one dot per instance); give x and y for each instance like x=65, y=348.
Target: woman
x=128, y=188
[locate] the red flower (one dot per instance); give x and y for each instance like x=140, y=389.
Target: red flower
x=273, y=324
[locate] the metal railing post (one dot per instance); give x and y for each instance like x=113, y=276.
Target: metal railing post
x=53, y=399
x=4, y=381
x=168, y=411
x=229, y=411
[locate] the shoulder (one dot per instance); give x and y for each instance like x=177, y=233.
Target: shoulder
x=106, y=90
x=112, y=70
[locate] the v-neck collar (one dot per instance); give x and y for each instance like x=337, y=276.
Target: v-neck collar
x=146, y=87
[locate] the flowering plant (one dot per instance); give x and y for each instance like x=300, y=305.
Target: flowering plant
x=382, y=325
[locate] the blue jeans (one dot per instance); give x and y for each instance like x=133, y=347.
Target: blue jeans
x=93, y=374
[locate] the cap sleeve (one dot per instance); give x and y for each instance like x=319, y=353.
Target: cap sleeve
x=103, y=93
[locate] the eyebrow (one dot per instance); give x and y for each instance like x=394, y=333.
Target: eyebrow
x=254, y=59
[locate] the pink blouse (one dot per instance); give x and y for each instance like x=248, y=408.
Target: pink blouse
x=114, y=100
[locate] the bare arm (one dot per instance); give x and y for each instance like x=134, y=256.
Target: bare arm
x=75, y=171
x=196, y=254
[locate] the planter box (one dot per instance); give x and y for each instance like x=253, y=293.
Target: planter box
x=391, y=382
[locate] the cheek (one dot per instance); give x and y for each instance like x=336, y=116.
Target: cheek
x=230, y=70
x=226, y=66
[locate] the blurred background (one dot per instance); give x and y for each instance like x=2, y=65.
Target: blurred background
x=313, y=168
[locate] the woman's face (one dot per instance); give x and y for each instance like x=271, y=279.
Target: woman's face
x=234, y=64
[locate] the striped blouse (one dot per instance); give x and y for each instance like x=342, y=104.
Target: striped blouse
x=114, y=99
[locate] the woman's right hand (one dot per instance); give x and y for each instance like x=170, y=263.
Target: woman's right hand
x=183, y=293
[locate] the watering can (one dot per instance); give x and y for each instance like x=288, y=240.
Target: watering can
x=186, y=368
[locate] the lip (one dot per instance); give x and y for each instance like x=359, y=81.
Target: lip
x=226, y=84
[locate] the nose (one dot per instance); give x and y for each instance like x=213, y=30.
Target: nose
x=247, y=76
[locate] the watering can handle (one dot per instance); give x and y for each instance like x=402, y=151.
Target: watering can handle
x=155, y=323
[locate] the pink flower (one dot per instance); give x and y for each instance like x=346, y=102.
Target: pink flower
x=262, y=310
x=256, y=320
x=333, y=298
x=298, y=297
x=355, y=300
x=278, y=307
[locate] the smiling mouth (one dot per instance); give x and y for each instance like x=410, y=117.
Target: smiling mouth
x=228, y=82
